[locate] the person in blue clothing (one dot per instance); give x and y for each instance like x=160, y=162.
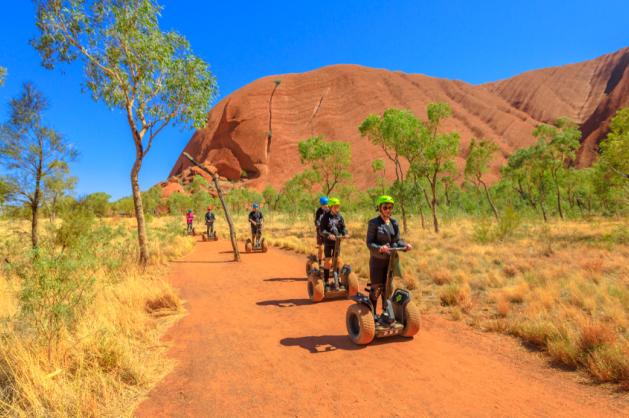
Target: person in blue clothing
x=383, y=233
x=256, y=219
x=321, y=210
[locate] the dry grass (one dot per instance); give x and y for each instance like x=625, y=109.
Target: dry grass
x=111, y=358
x=563, y=287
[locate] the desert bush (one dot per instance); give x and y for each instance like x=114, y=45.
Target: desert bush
x=83, y=339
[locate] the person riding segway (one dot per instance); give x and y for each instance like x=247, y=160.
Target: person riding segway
x=209, y=223
x=332, y=228
x=256, y=219
x=190, y=223
x=321, y=210
x=400, y=315
x=337, y=279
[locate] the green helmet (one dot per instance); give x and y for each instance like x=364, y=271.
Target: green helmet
x=334, y=201
x=381, y=200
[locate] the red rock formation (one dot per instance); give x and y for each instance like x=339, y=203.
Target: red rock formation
x=333, y=101
x=589, y=93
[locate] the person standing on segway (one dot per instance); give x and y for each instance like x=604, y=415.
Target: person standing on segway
x=189, y=220
x=255, y=219
x=209, y=221
x=332, y=226
x=383, y=233
x=323, y=209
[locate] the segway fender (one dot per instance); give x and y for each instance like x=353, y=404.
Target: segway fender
x=362, y=299
x=398, y=302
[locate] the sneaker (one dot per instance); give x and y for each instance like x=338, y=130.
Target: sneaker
x=385, y=319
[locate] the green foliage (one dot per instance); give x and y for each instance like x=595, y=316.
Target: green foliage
x=3, y=75
x=97, y=203
x=611, y=171
x=296, y=195
x=31, y=152
x=505, y=229
x=57, y=279
x=129, y=60
x=178, y=203
x=330, y=161
x=123, y=206
x=131, y=65
x=56, y=187
x=240, y=199
x=271, y=197
x=478, y=158
x=151, y=200
x=197, y=184
x=435, y=153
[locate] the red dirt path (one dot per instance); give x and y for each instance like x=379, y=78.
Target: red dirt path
x=253, y=346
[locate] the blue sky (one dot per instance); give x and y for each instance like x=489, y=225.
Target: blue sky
x=466, y=40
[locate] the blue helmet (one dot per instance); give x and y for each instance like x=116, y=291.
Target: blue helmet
x=256, y=206
x=323, y=200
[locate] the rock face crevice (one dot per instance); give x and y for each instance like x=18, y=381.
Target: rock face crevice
x=332, y=101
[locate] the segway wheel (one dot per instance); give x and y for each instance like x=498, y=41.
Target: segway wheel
x=361, y=326
x=412, y=319
x=308, y=266
x=248, y=247
x=203, y=237
x=194, y=232
x=352, y=284
x=263, y=246
x=215, y=238
x=316, y=291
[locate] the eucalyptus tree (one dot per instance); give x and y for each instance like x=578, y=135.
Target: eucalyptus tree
x=31, y=153
x=130, y=64
x=330, y=161
x=435, y=153
x=478, y=158
x=561, y=143
x=397, y=132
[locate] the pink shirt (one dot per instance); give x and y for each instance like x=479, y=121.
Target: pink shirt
x=189, y=217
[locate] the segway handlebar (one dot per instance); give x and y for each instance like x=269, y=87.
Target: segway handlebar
x=397, y=249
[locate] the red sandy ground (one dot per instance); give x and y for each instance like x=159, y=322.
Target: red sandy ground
x=252, y=345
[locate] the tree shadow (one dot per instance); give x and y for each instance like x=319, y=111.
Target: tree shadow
x=202, y=262
x=242, y=252
x=322, y=343
x=286, y=279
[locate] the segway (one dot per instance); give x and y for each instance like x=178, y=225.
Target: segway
x=212, y=236
x=401, y=316
x=192, y=232
x=344, y=281
x=258, y=244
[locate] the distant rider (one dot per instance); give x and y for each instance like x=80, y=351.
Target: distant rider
x=255, y=219
x=323, y=209
x=209, y=221
x=383, y=233
x=332, y=225
x=189, y=220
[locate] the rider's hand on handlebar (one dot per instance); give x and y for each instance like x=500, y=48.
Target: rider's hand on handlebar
x=384, y=249
x=409, y=247
x=332, y=237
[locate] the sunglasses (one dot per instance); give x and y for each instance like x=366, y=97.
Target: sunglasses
x=388, y=207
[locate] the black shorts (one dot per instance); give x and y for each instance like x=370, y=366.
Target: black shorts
x=378, y=270
x=255, y=229
x=328, y=249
